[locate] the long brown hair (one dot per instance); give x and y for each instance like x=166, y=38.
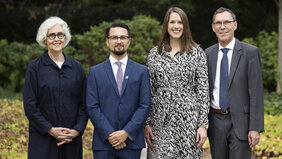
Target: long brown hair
x=186, y=40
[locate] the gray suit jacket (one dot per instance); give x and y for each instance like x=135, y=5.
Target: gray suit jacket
x=245, y=87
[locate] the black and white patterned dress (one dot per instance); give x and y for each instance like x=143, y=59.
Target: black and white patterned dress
x=180, y=103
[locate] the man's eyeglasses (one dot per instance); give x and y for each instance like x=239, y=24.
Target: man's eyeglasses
x=122, y=38
x=52, y=36
x=225, y=23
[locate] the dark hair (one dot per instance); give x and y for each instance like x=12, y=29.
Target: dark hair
x=221, y=10
x=117, y=24
x=186, y=40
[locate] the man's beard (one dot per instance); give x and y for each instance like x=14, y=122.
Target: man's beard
x=119, y=53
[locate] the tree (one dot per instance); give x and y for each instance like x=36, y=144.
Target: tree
x=279, y=80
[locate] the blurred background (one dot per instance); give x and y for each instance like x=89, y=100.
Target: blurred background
x=88, y=19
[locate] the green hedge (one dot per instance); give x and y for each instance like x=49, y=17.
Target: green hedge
x=268, y=45
x=14, y=134
x=89, y=48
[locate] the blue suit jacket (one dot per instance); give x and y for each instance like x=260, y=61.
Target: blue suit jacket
x=109, y=111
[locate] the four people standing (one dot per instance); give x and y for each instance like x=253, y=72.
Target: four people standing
x=53, y=97
x=118, y=99
x=118, y=95
x=178, y=119
x=236, y=90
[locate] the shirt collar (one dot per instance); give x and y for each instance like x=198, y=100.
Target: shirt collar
x=123, y=60
x=48, y=61
x=230, y=46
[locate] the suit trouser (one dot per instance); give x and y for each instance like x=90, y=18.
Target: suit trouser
x=117, y=154
x=224, y=143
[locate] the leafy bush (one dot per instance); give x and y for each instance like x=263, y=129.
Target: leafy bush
x=14, y=131
x=268, y=45
x=14, y=134
x=270, y=140
x=14, y=59
x=89, y=48
x=272, y=103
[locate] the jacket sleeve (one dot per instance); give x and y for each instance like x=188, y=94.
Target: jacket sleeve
x=82, y=117
x=142, y=111
x=98, y=119
x=256, y=118
x=30, y=99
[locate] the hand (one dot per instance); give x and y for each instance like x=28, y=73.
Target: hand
x=201, y=136
x=68, y=136
x=57, y=131
x=120, y=146
x=253, y=138
x=117, y=137
x=148, y=135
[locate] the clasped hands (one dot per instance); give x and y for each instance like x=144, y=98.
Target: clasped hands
x=117, y=139
x=64, y=135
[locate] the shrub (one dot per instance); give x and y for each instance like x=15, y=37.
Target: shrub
x=272, y=103
x=91, y=46
x=268, y=45
x=14, y=134
x=14, y=131
x=88, y=48
x=14, y=59
x=271, y=139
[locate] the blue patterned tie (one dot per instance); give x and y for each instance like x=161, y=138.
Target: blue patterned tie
x=223, y=92
x=119, y=76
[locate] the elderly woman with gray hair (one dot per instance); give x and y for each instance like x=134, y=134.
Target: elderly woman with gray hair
x=53, y=94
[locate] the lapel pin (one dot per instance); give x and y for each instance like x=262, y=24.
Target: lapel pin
x=126, y=77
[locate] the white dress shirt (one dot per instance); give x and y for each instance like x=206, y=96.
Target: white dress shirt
x=115, y=69
x=115, y=66
x=215, y=93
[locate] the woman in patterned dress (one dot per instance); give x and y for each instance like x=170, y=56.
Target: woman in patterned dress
x=178, y=120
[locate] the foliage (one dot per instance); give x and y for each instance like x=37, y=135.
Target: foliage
x=268, y=46
x=14, y=131
x=145, y=32
x=272, y=103
x=14, y=60
x=21, y=18
x=271, y=139
x=88, y=48
x=14, y=134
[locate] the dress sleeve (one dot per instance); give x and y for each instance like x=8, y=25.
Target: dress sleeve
x=202, y=89
x=152, y=81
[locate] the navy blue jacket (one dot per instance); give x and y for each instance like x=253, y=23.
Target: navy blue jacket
x=54, y=97
x=109, y=111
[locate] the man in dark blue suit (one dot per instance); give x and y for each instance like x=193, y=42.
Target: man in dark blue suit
x=118, y=99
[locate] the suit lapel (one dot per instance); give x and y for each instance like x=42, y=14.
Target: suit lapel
x=126, y=76
x=214, y=63
x=235, y=59
x=110, y=74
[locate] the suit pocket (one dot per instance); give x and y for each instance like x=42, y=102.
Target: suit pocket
x=246, y=109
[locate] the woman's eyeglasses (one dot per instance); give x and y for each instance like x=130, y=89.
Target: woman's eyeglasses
x=52, y=36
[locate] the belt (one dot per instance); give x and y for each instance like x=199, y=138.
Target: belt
x=219, y=111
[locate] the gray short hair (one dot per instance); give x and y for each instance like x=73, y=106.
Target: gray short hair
x=221, y=10
x=49, y=23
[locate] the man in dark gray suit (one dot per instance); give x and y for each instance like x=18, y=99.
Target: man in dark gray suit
x=236, y=115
